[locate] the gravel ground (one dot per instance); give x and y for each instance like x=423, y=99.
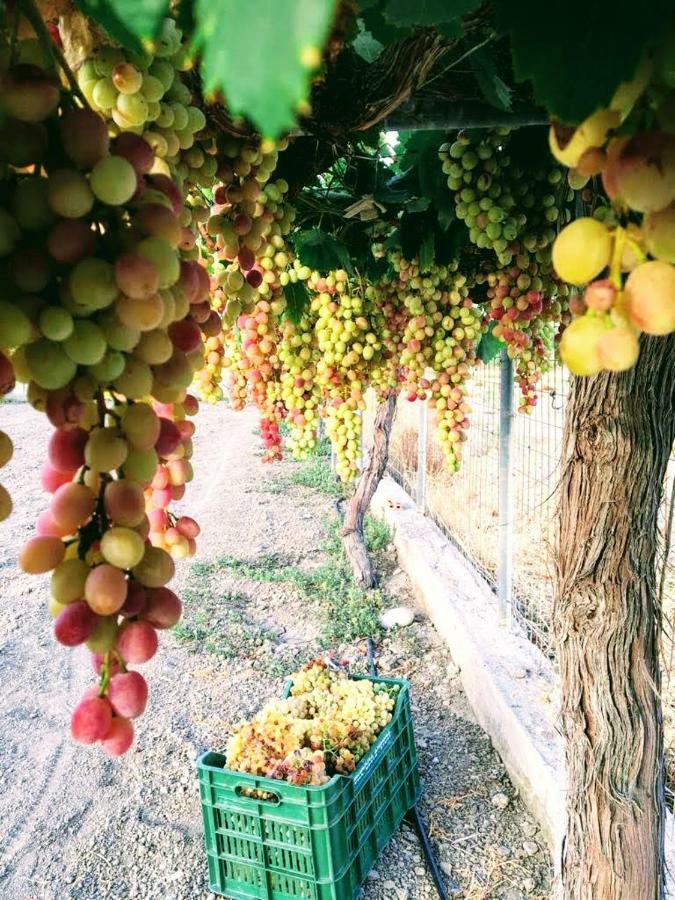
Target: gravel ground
x=74, y=824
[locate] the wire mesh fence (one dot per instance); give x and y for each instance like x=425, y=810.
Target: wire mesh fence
x=466, y=504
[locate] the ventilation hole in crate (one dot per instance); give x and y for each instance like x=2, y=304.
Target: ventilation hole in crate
x=249, y=875
x=289, y=860
x=237, y=822
x=283, y=834
x=285, y=886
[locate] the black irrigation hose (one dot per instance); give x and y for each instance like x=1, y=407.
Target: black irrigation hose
x=414, y=816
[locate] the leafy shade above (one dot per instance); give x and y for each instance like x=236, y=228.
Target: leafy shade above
x=260, y=54
x=129, y=22
x=575, y=60
x=321, y=250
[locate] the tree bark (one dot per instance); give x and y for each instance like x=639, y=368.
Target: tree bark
x=619, y=433
x=353, y=538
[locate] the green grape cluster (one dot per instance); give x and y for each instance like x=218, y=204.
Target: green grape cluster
x=512, y=202
x=442, y=328
x=300, y=392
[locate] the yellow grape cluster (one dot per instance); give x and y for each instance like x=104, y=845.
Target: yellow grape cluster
x=300, y=392
x=346, y=328
x=441, y=330
x=325, y=727
x=623, y=256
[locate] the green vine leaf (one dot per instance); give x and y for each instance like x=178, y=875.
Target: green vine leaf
x=494, y=89
x=297, y=300
x=320, y=250
x=427, y=254
x=127, y=21
x=259, y=54
x=366, y=45
x=576, y=62
x=437, y=14
x=489, y=346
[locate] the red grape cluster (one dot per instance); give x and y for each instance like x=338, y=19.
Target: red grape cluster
x=104, y=313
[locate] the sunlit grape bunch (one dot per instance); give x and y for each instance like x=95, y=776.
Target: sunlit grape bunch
x=623, y=256
x=324, y=728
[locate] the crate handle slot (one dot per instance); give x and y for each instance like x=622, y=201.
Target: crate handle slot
x=274, y=798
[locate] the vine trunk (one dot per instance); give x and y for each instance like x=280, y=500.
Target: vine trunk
x=618, y=438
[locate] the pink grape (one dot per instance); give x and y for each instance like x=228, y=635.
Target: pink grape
x=136, y=276
x=84, y=136
x=51, y=479
x=7, y=379
x=75, y=624
x=128, y=694
x=188, y=527
x=188, y=281
x=185, y=335
x=135, y=150
x=119, y=738
x=124, y=502
x=158, y=221
x=162, y=497
x=170, y=190
x=46, y=526
x=136, y=600
x=29, y=93
x=191, y=405
x=177, y=491
x=71, y=506
x=66, y=449
x=41, y=554
x=137, y=642
x=91, y=720
x=159, y=519
x=105, y=589
x=163, y=608
x=161, y=478
x=169, y=437
x=70, y=240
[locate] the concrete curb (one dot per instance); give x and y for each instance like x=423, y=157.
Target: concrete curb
x=509, y=683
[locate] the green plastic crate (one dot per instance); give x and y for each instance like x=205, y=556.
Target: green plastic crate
x=313, y=843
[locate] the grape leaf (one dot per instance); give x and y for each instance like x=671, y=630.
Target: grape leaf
x=494, y=89
x=127, y=21
x=432, y=13
x=489, y=346
x=427, y=253
x=255, y=53
x=366, y=45
x=576, y=62
x=297, y=299
x=320, y=250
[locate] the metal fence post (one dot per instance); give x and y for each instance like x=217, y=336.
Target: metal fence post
x=505, y=567
x=421, y=492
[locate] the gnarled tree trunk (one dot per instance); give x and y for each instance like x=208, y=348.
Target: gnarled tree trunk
x=618, y=438
x=352, y=529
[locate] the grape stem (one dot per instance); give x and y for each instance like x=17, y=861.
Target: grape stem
x=32, y=13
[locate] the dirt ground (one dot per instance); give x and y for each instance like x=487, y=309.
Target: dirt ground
x=74, y=824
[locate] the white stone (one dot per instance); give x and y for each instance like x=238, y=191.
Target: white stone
x=398, y=615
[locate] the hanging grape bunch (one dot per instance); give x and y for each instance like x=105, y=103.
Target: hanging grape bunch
x=100, y=320
x=624, y=255
x=511, y=203
x=438, y=348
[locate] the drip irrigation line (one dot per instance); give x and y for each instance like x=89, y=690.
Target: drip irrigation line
x=414, y=816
